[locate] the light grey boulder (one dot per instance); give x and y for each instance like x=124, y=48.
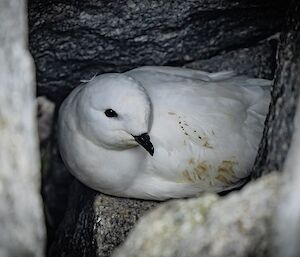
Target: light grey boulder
x=22, y=232
x=237, y=225
x=287, y=218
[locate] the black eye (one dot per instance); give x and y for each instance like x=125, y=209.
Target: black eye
x=110, y=113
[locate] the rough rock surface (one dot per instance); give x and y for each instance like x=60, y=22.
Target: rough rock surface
x=73, y=40
x=238, y=225
x=96, y=223
x=56, y=180
x=45, y=115
x=287, y=240
x=258, y=61
x=279, y=124
x=288, y=216
x=21, y=215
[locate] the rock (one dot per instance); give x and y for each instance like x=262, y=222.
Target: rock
x=56, y=179
x=45, y=118
x=95, y=223
x=237, y=225
x=288, y=215
x=287, y=220
x=56, y=183
x=258, y=61
x=21, y=210
x=71, y=41
x=279, y=123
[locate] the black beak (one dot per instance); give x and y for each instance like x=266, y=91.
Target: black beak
x=144, y=141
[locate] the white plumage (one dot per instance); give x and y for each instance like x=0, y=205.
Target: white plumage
x=204, y=127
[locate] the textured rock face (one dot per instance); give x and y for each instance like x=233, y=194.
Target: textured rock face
x=21, y=217
x=238, y=225
x=96, y=223
x=258, y=61
x=279, y=125
x=74, y=40
x=288, y=216
x=287, y=220
x=45, y=119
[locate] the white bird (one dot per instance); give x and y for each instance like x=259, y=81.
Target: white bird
x=163, y=132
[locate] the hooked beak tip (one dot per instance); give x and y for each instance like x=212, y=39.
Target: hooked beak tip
x=144, y=141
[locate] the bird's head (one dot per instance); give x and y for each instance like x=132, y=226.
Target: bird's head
x=114, y=111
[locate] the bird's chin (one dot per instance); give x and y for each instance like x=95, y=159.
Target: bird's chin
x=130, y=143
x=126, y=143
x=123, y=140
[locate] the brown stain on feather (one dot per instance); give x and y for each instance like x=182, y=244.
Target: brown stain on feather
x=198, y=172
x=226, y=171
x=187, y=176
x=207, y=145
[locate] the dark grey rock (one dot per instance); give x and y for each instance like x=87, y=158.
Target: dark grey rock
x=56, y=179
x=21, y=210
x=73, y=40
x=279, y=123
x=258, y=61
x=95, y=223
x=56, y=183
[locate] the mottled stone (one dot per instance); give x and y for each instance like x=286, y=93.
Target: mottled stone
x=74, y=40
x=237, y=225
x=56, y=183
x=258, y=61
x=21, y=211
x=95, y=223
x=279, y=123
x=45, y=118
x=288, y=217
